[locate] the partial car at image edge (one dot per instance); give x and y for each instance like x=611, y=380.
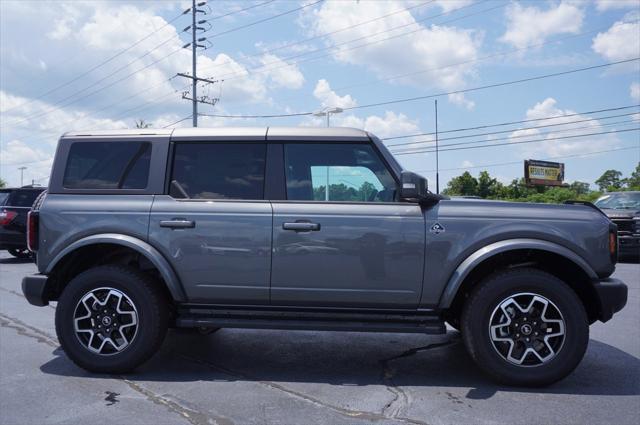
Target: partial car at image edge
x=15, y=204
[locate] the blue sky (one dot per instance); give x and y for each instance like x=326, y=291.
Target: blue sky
x=333, y=53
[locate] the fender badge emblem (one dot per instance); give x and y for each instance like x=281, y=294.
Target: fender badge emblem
x=437, y=228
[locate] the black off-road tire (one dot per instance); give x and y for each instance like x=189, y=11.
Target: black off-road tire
x=152, y=316
x=482, y=302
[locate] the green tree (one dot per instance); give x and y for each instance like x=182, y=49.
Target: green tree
x=580, y=188
x=610, y=181
x=487, y=186
x=463, y=185
x=366, y=190
x=2, y=183
x=633, y=181
x=142, y=123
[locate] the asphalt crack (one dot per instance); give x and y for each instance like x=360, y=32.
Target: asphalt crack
x=27, y=330
x=401, y=400
x=11, y=291
x=360, y=414
x=194, y=417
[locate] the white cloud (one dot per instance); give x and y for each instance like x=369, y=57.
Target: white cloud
x=603, y=5
x=634, y=91
x=466, y=164
x=17, y=153
x=329, y=99
x=621, y=41
x=430, y=49
x=460, y=100
x=449, y=5
x=282, y=75
x=531, y=25
x=547, y=109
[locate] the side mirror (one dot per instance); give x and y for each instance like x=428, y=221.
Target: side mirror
x=415, y=188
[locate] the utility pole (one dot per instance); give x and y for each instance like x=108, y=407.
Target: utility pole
x=22, y=175
x=437, y=160
x=194, y=28
x=194, y=47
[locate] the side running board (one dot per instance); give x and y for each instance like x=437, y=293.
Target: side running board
x=192, y=316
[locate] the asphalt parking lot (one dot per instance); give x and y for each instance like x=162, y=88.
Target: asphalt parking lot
x=255, y=377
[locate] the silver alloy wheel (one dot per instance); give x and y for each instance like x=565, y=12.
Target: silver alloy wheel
x=105, y=321
x=527, y=329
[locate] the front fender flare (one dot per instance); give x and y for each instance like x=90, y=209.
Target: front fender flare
x=463, y=270
x=142, y=247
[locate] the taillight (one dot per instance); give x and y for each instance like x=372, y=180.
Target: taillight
x=32, y=230
x=613, y=244
x=6, y=217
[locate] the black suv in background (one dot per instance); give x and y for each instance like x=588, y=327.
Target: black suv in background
x=623, y=208
x=14, y=206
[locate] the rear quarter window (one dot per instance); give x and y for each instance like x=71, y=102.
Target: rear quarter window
x=107, y=165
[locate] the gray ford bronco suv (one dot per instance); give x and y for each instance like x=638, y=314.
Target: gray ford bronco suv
x=305, y=228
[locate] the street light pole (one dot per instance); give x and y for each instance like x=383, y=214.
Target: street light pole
x=22, y=175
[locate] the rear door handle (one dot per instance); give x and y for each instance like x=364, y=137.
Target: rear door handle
x=301, y=226
x=178, y=224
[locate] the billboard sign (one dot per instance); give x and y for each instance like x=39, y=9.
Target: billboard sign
x=543, y=173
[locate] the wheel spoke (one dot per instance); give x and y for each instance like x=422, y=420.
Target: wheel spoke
x=105, y=321
x=527, y=329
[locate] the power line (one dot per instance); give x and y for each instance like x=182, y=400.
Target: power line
x=520, y=136
x=264, y=68
x=179, y=121
x=265, y=19
x=96, y=91
x=324, y=35
x=506, y=83
x=506, y=53
x=109, y=59
x=241, y=10
x=518, y=129
x=521, y=142
x=480, y=127
x=411, y=99
x=498, y=164
x=300, y=114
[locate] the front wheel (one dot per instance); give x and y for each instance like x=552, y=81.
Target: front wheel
x=111, y=319
x=525, y=327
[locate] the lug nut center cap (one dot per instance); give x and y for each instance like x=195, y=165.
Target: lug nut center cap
x=106, y=321
x=526, y=329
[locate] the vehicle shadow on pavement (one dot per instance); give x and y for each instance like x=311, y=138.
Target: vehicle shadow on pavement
x=13, y=260
x=355, y=359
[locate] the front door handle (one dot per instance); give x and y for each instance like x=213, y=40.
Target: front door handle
x=301, y=226
x=178, y=224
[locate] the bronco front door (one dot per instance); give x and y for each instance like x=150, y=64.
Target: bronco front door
x=341, y=238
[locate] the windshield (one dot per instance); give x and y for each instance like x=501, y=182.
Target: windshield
x=3, y=196
x=620, y=201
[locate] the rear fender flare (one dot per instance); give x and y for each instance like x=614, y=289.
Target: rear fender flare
x=142, y=247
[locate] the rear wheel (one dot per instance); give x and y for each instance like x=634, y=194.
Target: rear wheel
x=525, y=327
x=20, y=252
x=111, y=319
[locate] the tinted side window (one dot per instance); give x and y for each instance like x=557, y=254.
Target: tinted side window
x=219, y=170
x=337, y=172
x=107, y=165
x=22, y=198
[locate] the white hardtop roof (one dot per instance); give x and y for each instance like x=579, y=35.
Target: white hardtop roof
x=235, y=133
